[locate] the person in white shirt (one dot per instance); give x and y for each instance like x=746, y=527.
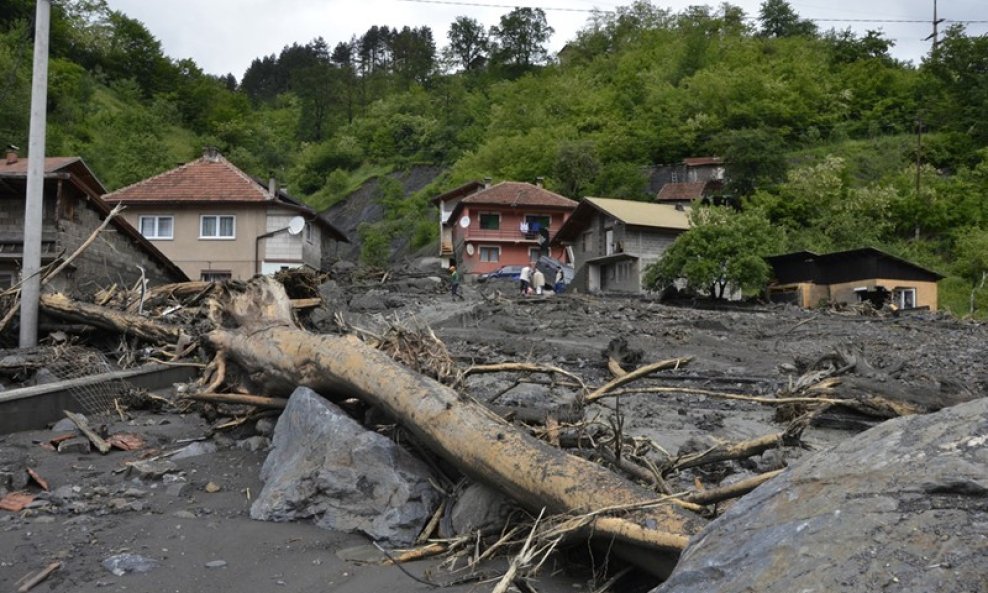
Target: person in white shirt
x=525, y=279
x=538, y=281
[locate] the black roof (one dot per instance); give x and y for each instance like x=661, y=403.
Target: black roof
x=846, y=266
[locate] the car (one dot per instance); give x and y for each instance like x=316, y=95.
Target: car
x=549, y=267
x=508, y=273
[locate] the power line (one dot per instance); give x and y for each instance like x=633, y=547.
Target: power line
x=598, y=11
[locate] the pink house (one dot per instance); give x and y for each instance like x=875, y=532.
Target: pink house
x=484, y=226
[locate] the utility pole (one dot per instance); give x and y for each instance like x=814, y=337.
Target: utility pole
x=935, y=35
x=919, y=163
x=33, y=205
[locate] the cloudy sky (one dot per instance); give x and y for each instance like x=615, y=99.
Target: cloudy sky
x=224, y=36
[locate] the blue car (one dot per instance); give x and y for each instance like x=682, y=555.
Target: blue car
x=508, y=273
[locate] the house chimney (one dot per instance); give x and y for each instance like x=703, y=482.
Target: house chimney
x=272, y=187
x=11, y=154
x=539, y=181
x=211, y=154
x=487, y=182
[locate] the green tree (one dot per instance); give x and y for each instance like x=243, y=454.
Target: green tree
x=754, y=159
x=521, y=37
x=577, y=167
x=722, y=249
x=778, y=19
x=468, y=43
x=971, y=263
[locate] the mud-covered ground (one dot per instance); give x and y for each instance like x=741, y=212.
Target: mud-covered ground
x=195, y=524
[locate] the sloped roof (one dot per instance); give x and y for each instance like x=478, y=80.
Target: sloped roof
x=700, y=161
x=845, y=266
x=54, y=165
x=206, y=179
x=632, y=213
x=211, y=179
x=672, y=192
x=514, y=193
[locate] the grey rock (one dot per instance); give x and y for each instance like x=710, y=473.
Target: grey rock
x=75, y=445
x=478, y=508
x=122, y=564
x=264, y=427
x=902, y=506
x=151, y=470
x=342, y=267
x=44, y=375
x=327, y=467
x=255, y=443
x=176, y=489
x=373, y=300
x=65, y=425
x=216, y=564
x=66, y=493
x=185, y=515
x=195, y=449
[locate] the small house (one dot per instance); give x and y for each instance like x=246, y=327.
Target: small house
x=71, y=211
x=807, y=279
x=217, y=223
x=614, y=241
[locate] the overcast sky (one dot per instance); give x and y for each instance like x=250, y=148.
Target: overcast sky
x=224, y=36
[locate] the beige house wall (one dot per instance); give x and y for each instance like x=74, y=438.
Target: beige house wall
x=195, y=255
x=926, y=292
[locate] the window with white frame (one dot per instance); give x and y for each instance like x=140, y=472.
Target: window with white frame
x=308, y=232
x=490, y=253
x=157, y=227
x=217, y=226
x=904, y=298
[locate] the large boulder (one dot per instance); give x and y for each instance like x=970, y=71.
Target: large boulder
x=327, y=467
x=901, y=507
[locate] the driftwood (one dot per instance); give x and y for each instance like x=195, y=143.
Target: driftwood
x=58, y=305
x=84, y=428
x=672, y=363
x=729, y=451
x=238, y=398
x=34, y=580
x=735, y=490
x=279, y=357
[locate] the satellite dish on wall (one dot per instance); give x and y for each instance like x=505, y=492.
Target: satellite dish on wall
x=465, y=221
x=469, y=248
x=296, y=225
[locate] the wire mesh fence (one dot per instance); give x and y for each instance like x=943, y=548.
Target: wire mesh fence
x=98, y=398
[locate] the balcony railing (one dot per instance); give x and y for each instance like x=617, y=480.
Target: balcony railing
x=516, y=234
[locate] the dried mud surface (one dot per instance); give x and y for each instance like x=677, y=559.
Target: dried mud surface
x=96, y=510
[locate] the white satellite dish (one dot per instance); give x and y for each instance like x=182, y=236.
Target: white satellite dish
x=469, y=248
x=465, y=221
x=296, y=225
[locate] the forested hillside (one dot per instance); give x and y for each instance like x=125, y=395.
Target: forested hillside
x=828, y=139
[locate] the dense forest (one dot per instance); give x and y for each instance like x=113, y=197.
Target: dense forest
x=830, y=143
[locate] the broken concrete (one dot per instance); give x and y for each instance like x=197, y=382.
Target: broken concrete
x=326, y=467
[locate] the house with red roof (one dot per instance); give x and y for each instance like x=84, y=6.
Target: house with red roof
x=71, y=212
x=695, y=179
x=485, y=226
x=217, y=223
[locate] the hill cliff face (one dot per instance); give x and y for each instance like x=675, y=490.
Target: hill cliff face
x=364, y=206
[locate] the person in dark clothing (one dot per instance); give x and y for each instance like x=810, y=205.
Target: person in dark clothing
x=454, y=281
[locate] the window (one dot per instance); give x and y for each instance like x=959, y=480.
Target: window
x=608, y=241
x=587, y=241
x=157, y=227
x=6, y=280
x=904, y=298
x=308, y=232
x=533, y=254
x=490, y=221
x=490, y=254
x=537, y=222
x=217, y=227
x=215, y=275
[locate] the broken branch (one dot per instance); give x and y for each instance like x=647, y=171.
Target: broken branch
x=672, y=363
x=84, y=428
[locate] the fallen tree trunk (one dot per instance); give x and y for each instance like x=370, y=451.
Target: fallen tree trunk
x=461, y=430
x=59, y=305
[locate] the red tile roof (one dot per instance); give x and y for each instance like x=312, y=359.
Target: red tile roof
x=671, y=192
x=513, y=193
x=207, y=179
x=703, y=160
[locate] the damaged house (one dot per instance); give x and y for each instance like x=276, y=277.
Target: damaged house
x=72, y=211
x=614, y=241
x=807, y=279
x=218, y=223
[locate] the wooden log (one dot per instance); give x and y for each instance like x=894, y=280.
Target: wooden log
x=36, y=579
x=238, y=398
x=58, y=305
x=734, y=490
x=672, y=363
x=306, y=303
x=729, y=451
x=463, y=432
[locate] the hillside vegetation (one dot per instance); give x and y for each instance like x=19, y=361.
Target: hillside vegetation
x=827, y=137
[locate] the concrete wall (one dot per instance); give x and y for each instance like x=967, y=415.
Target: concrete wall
x=926, y=292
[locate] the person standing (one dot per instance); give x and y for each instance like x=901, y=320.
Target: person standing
x=454, y=281
x=538, y=281
x=525, y=279
x=560, y=283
